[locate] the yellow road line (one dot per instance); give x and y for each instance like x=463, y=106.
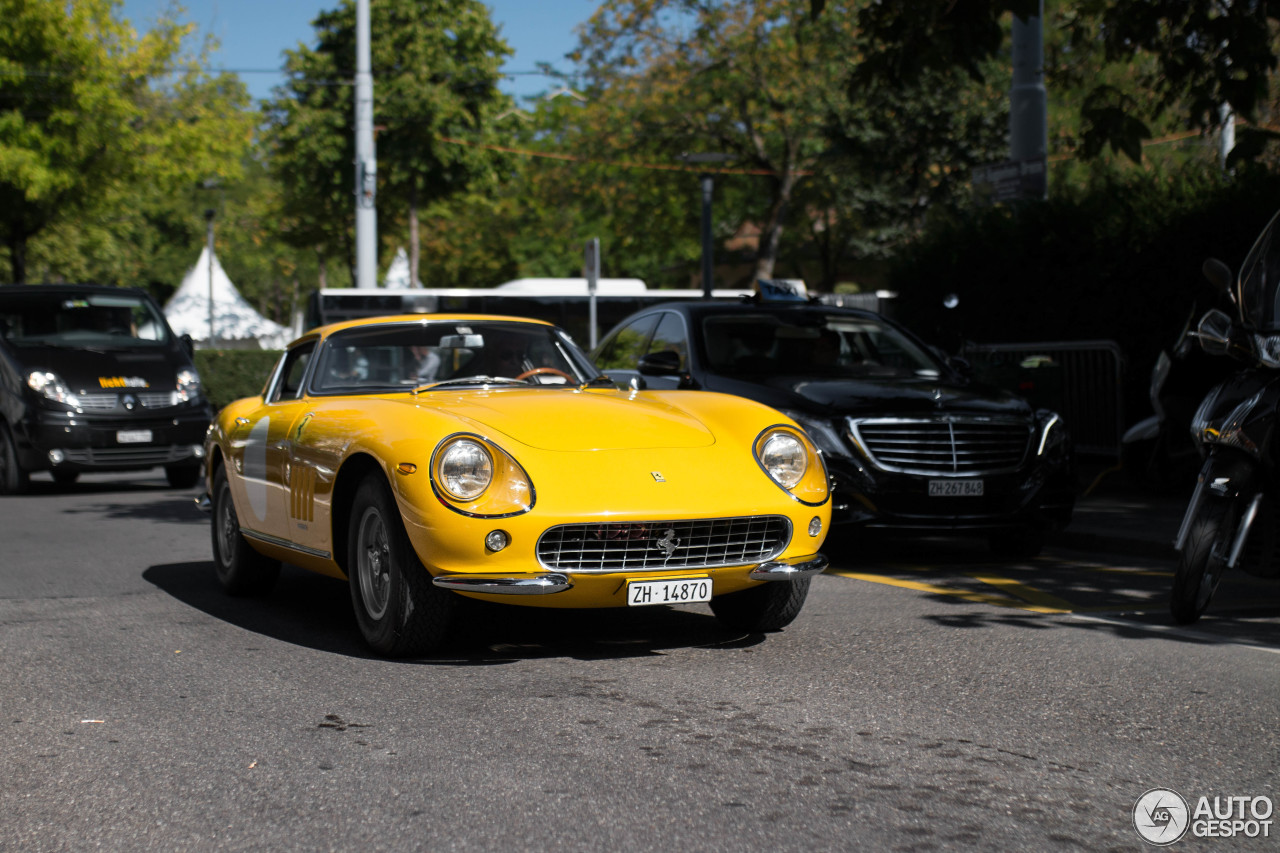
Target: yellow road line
x=1026, y=593
x=966, y=595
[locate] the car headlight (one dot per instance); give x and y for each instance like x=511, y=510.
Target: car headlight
x=1053, y=434
x=188, y=386
x=783, y=456
x=823, y=435
x=465, y=470
x=52, y=387
x=475, y=477
x=792, y=461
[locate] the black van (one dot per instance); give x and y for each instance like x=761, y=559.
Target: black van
x=93, y=379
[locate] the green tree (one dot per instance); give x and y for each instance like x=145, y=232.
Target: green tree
x=89, y=113
x=436, y=71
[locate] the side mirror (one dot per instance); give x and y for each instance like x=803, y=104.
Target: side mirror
x=1218, y=273
x=187, y=344
x=661, y=363
x=1214, y=332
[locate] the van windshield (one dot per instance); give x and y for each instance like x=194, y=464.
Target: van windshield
x=81, y=320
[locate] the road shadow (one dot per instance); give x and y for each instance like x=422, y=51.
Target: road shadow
x=314, y=611
x=169, y=507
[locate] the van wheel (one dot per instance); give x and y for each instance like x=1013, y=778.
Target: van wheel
x=13, y=480
x=241, y=570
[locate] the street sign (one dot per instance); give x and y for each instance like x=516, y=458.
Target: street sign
x=1013, y=180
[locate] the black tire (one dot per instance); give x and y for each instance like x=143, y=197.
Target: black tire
x=13, y=480
x=1021, y=544
x=771, y=606
x=182, y=476
x=399, y=611
x=65, y=478
x=1202, y=562
x=240, y=569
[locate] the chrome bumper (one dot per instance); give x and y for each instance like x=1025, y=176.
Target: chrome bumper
x=779, y=571
x=553, y=582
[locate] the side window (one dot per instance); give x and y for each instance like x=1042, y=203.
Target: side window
x=623, y=350
x=671, y=336
x=289, y=383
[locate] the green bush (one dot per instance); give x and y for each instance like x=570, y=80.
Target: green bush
x=228, y=375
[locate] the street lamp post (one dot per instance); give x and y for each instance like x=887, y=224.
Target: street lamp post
x=708, y=185
x=208, y=218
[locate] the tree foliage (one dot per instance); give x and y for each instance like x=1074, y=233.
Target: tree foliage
x=92, y=116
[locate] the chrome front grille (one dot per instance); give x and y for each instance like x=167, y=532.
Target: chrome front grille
x=944, y=446
x=657, y=545
x=108, y=402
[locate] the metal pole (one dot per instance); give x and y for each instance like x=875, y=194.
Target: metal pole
x=592, y=275
x=208, y=217
x=366, y=158
x=1028, y=101
x=707, y=260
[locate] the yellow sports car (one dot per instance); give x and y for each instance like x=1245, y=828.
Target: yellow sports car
x=430, y=456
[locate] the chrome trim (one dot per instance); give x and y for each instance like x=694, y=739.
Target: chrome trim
x=204, y=503
x=1192, y=508
x=544, y=584
x=949, y=453
x=635, y=547
x=776, y=570
x=284, y=543
x=1242, y=532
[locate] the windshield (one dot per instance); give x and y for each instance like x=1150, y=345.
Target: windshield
x=837, y=346
x=377, y=359
x=90, y=320
x=1259, y=295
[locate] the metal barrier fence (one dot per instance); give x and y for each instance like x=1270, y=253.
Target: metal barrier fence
x=1081, y=380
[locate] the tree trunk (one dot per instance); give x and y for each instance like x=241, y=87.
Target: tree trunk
x=413, y=239
x=322, y=274
x=771, y=232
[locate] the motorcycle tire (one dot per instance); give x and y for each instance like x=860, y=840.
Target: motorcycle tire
x=1202, y=562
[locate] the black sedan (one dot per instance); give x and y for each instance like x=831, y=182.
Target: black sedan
x=911, y=442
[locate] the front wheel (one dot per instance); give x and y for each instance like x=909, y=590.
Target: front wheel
x=769, y=607
x=399, y=611
x=1202, y=562
x=241, y=570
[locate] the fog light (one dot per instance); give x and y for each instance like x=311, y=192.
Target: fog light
x=815, y=526
x=497, y=540
x=197, y=450
x=57, y=457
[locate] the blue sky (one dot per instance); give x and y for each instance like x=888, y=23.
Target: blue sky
x=255, y=33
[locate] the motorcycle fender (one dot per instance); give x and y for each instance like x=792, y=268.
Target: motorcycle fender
x=1143, y=430
x=1224, y=476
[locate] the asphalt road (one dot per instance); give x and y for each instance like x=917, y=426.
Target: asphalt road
x=926, y=699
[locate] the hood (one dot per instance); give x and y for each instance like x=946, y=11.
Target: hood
x=563, y=419
x=870, y=397
x=88, y=371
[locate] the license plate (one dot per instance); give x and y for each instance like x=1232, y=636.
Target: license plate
x=640, y=593
x=955, y=488
x=133, y=436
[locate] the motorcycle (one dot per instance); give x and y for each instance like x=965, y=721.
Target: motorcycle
x=1233, y=518
x=1159, y=449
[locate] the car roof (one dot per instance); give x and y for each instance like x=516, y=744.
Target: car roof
x=700, y=307
x=398, y=319
x=68, y=288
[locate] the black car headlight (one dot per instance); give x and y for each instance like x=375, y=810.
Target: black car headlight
x=1053, y=435
x=188, y=386
x=49, y=385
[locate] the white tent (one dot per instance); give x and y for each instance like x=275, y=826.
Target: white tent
x=235, y=322
x=398, y=272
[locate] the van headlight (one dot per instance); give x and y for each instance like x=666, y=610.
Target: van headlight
x=188, y=386
x=51, y=386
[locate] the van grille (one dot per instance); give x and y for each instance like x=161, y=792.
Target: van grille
x=944, y=446
x=110, y=402
x=658, y=545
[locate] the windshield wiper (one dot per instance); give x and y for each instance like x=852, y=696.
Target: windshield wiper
x=601, y=379
x=470, y=380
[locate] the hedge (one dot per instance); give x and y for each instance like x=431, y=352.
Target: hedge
x=231, y=374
